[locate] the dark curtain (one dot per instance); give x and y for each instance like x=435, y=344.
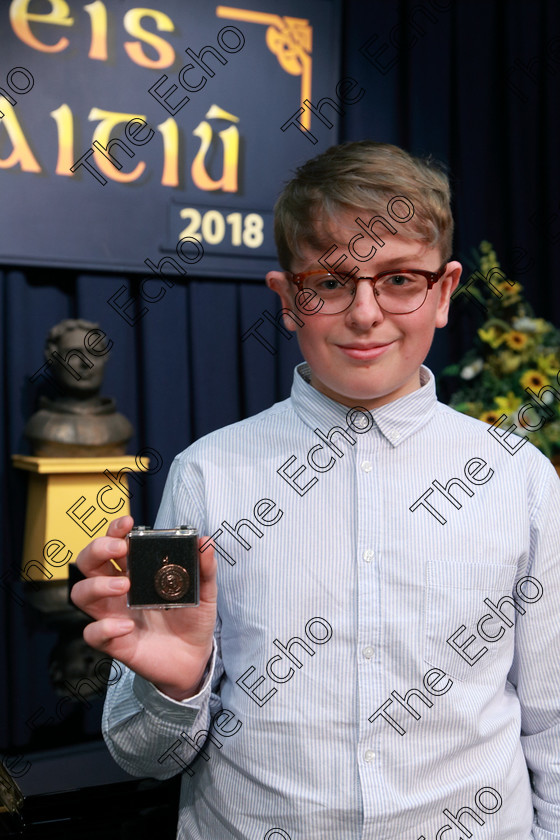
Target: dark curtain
x=474, y=83
x=177, y=374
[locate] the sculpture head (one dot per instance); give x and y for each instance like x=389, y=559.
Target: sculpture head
x=78, y=357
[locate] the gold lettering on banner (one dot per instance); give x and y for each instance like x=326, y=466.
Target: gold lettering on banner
x=21, y=152
x=64, y=120
x=230, y=142
x=98, y=16
x=170, y=134
x=132, y=22
x=290, y=40
x=59, y=15
x=102, y=134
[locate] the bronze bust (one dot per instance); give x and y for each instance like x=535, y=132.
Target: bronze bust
x=78, y=423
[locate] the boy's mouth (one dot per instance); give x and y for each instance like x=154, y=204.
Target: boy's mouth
x=370, y=350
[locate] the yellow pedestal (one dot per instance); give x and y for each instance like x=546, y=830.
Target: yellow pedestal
x=70, y=501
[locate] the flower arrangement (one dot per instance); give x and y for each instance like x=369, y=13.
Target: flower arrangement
x=513, y=351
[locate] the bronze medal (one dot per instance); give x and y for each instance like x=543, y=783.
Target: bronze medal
x=171, y=581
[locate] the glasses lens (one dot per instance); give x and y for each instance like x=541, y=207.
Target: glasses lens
x=397, y=293
x=334, y=293
x=401, y=293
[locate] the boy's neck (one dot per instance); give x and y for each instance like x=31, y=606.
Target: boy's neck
x=414, y=383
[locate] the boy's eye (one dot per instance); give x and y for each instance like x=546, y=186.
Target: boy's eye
x=398, y=280
x=328, y=283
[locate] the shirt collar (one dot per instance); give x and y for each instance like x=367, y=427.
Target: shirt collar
x=396, y=421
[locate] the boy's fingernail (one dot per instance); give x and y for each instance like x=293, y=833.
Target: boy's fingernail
x=117, y=584
x=125, y=624
x=115, y=545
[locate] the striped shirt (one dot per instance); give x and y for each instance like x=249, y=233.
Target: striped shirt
x=387, y=652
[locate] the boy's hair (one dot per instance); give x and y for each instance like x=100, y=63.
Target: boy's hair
x=361, y=176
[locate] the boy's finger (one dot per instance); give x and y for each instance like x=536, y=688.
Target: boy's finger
x=208, y=567
x=95, y=558
x=100, y=634
x=91, y=595
x=120, y=527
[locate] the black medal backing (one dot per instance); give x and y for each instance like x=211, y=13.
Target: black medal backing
x=163, y=568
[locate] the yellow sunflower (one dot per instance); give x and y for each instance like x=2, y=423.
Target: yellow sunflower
x=490, y=417
x=489, y=262
x=516, y=340
x=505, y=362
x=509, y=287
x=508, y=404
x=509, y=294
x=542, y=326
x=492, y=336
x=534, y=379
x=548, y=365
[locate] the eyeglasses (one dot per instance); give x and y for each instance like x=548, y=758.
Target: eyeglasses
x=398, y=292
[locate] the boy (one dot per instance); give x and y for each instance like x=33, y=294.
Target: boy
x=386, y=583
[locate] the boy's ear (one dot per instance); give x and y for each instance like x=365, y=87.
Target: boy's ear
x=279, y=283
x=449, y=283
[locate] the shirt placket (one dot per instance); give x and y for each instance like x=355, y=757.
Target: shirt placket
x=368, y=649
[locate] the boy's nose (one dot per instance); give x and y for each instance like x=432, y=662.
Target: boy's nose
x=365, y=309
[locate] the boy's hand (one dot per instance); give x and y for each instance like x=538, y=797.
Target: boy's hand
x=170, y=648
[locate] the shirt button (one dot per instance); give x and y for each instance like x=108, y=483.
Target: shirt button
x=368, y=555
x=368, y=652
x=360, y=422
x=369, y=755
x=366, y=466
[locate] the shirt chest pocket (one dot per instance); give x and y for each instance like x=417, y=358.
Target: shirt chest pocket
x=456, y=612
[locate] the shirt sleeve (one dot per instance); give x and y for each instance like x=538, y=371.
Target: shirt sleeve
x=146, y=732
x=536, y=668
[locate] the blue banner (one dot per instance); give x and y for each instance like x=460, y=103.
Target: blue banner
x=157, y=139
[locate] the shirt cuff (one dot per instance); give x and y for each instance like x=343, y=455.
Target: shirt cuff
x=158, y=703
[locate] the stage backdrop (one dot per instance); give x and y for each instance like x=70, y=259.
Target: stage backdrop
x=125, y=130
x=473, y=82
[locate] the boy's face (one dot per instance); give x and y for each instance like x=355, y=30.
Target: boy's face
x=364, y=356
